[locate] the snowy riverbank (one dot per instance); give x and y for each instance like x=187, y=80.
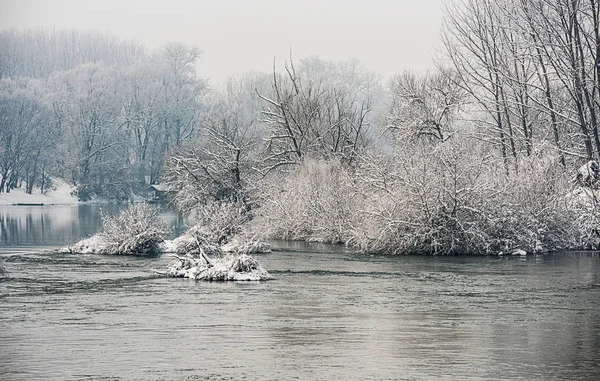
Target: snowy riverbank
x=60, y=194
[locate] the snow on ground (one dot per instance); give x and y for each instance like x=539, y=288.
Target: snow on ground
x=59, y=195
x=91, y=245
x=232, y=267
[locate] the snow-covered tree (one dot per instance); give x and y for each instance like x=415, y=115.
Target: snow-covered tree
x=24, y=133
x=314, y=113
x=219, y=165
x=88, y=105
x=424, y=107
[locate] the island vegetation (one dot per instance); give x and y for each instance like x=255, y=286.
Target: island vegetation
x=494, y=152
x=204, y=252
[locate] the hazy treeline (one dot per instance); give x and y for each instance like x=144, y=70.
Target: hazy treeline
x=37, y=53
x=98, y=111
x=477, y=156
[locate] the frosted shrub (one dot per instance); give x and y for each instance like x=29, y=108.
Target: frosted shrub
x=585, y=206
x=220, y=221
x=248, y=242
x=313, y=203
x=235, y=267
x=529, y=209
x=240, y=267
x=452, y=199
x=136, y=230
x=584, y=202
x=197, y=241
x=423, y=202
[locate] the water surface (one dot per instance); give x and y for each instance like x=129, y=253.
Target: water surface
x=331, y=314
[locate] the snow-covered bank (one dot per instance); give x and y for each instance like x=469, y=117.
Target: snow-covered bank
x=60, y=194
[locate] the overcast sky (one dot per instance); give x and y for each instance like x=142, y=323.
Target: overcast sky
x=388, y=36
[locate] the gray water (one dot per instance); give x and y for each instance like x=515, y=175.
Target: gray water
x=330, y=314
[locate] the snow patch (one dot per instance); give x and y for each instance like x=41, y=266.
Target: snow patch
x=232, y=267
x=60, y=194
x=92, y=245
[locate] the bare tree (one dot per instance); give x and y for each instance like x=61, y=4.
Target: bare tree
x=312, y=117
x=424, y=106
x=22, y=138
x=218, y=166
x=531, y=65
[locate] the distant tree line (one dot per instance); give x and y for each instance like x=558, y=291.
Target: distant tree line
x=98, y=111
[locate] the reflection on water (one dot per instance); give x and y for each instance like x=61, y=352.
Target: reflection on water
x=56, y=225
x=330, y=314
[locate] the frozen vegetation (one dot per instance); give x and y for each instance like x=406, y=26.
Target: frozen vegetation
x=216, y=249
x=231, y=267
x=135, y=231
x=445, y=201
x=138, y=230
x=481, y=156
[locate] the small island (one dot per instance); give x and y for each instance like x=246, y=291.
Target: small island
x=197, y=254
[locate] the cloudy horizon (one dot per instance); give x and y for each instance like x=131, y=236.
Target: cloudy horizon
x=237, y=36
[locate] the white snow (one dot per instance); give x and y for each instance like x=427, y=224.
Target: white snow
x=89, y=245
x=59, y=195
x=231, y=267
x=169, y=246
x=588, y=172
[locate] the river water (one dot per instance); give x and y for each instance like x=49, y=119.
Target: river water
x=331, y=314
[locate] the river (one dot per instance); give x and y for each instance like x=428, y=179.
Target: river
x=331, y=314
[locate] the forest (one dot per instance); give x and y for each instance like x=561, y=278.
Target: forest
x=480, y=156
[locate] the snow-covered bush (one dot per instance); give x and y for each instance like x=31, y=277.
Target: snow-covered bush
x=455, y=199
x=136, y=230
x=232, y=267
x=588, y=175
x=312, y=202
x=427, y=201
x=220, y=227
x=235, y=267
x=450, y=198
x=584, y=204
x=220, y=221
x=528, y=209
x=195, y=241
x=247, y=243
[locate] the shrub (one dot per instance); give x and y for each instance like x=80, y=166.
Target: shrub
x=195, y=242
x=312, y=203
x=454, y=199
x=136, y=230
x=231, y=267
x=220, y=221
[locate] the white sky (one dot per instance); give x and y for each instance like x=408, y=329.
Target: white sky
x=388, y=36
